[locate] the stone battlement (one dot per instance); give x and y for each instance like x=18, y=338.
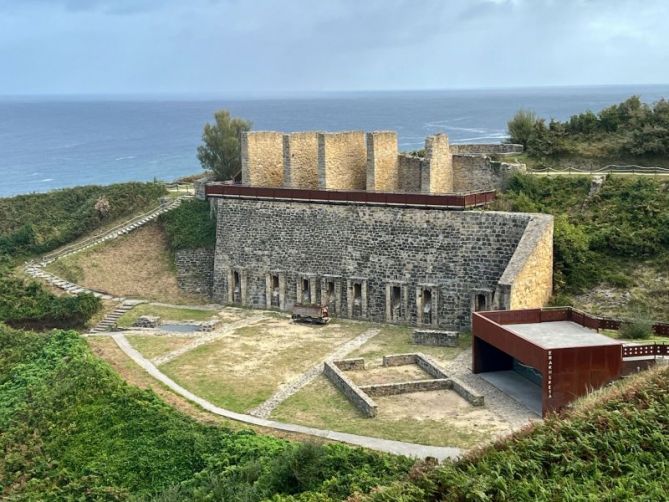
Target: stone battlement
x=358, y=160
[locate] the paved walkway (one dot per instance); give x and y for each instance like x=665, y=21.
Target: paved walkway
x=386, y=445
x=208, y=338
x=266, y=408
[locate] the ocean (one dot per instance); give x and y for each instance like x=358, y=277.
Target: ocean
x=55, y=142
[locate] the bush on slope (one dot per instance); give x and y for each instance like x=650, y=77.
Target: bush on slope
x=72, y=429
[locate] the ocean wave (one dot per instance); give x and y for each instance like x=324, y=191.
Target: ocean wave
x=129, y=157
x=45, y=180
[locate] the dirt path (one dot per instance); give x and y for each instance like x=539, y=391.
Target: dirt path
x=266, y=408
x=389, y=446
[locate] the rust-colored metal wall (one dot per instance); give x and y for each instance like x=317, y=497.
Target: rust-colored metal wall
x=453, y=201
x=567, y=373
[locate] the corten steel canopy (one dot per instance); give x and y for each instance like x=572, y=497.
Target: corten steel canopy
x=446, y=201
x=571, y=360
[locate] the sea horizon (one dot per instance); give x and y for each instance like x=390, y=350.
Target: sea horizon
x=57, y=141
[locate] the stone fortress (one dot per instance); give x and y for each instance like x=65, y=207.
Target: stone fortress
x=285, y=240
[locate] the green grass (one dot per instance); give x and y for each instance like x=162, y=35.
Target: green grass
x=397, y=340
x=613, y=446
x=321, y=405
x=152, y=346
x=38, y=223
x=73, y=430
x=165, y=313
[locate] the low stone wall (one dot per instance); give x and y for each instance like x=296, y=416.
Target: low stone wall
x=399, y=359
x=465, y=392
x=195, y=270
x=487, y=148
x=428, y=365
x=352, y=392
x=435, y=337
x=392, y=389
x=147, y=321
x=350, y=364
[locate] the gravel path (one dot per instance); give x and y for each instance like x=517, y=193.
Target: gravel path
x=386, y=445
x=208, y=338
x=265, y=409
x=499, y=403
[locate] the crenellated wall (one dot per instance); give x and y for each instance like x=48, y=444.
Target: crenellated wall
x=300, y=160
x=409, y=175
x=342, y=160
x=475, y=172
x=437, y=173
x=382, y=161
x=262, y=158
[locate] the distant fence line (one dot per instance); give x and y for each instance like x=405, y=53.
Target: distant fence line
x=608, y=169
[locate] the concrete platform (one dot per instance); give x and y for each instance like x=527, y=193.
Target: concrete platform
x=516, y=387
x=560, y=334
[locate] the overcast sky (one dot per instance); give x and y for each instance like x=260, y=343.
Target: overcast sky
x=249, y=46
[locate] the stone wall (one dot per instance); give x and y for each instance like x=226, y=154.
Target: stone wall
x=409, y=173
x=342, y=160
x=435, y=338
x=527, y=282
x=195, y=270
x=437, y=172
x=352, y=392
x=300, y=163
x=489, y=149
x=451, y=255
x=382, y=161
x=262, y=158
x=474, y=172
x=393, y=389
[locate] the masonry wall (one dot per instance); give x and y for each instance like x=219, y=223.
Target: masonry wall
x=409, y=173
x=474, y=172
x=195, y=270
x=300, y=163
x=438, y=168
x=262, y=158
x=528, y=280
x=382, y=161
x=342, y=160
x=486, y=148
x=454, y=253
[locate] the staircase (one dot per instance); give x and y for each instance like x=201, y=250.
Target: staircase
x=36, y=269
x=110, y=320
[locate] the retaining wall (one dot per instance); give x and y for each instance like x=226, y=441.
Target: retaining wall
x=195, y=270
x=435, y=338
x=450, y=253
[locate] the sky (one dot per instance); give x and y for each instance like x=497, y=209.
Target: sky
x=261, y=46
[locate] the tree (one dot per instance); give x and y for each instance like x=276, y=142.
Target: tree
x=220, y=152
x=520, y=127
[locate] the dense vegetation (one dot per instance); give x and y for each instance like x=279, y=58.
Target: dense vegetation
x=190, y=226
x=38, y=223
x=72, y=429
x=30, y=305
x=615, y=450
x=631, y=129
x=595, y=236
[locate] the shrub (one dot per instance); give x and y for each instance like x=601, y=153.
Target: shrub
x=190, y=226
x=521, y=126
x=637, y=329
x=38, y=223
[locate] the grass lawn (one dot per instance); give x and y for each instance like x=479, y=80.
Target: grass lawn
x=244, y=368
x=152, y=346
x=436, y=418
x=136, y=265
x=396, y=340
x=165, y=313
